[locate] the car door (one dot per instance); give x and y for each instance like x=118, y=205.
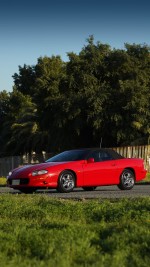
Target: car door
x=103, y=171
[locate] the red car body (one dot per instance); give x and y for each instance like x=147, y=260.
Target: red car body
x=86, y=168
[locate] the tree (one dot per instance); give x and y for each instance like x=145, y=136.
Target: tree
x=127, y=112
x=24, y=81
x=101, y=94
x=88, y=92
x=4, y=110
x=22, y=123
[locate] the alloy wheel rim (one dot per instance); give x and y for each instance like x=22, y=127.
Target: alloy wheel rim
x=67, y=181
x=128, y=179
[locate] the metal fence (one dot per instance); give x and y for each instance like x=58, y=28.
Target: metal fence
x=9, y=163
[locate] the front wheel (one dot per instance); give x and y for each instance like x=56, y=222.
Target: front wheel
x=66, y=182
x=127, y=180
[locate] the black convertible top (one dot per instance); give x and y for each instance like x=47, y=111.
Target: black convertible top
x=85, y=153
x=113, y=153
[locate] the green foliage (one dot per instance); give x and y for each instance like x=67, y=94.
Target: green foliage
x=39, y=231
x=99, y=94
x=24, y=125
x=4, y=110
x=2, y=181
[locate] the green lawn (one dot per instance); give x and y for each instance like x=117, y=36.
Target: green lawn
x=36, y=230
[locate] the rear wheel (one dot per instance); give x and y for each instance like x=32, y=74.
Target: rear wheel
x=89, y=188
x=66, y=182
x=127, y=180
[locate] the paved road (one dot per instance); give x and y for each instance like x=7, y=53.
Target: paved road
x=100, y=192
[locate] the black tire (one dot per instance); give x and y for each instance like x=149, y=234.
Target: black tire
x=89, y=188
x=127, y=180
x=66, y=182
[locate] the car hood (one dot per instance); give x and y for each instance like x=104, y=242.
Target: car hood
x=30, y=168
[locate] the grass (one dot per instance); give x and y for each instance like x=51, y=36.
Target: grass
x=36, y=230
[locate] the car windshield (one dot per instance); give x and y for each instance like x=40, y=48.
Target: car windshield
x=72, y=155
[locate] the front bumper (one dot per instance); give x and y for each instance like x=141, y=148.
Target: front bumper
x=36, y=182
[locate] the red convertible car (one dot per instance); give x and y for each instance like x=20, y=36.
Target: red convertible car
x=86, y=168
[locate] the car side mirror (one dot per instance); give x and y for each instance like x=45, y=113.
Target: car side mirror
x=90, y=160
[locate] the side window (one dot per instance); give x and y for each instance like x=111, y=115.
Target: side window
x=95, y=155
x=100, y=156
x=105, y=156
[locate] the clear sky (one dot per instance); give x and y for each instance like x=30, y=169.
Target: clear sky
x=30, y=29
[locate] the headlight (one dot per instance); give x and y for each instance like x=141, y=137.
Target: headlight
x=40, y=172
x=10, y=173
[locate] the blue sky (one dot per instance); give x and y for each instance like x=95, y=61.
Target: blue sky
x=31, y=29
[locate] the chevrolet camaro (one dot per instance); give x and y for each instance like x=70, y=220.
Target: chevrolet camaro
x=86, y=168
